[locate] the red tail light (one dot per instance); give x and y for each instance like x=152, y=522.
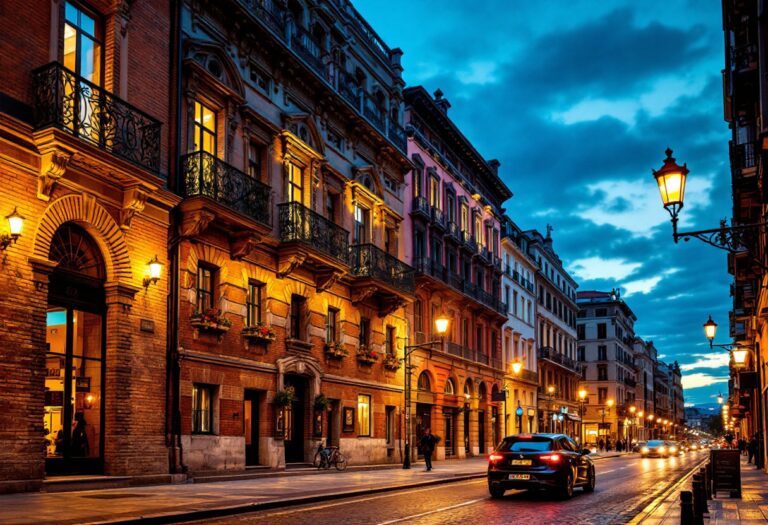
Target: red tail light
x=552, y=458
x=493, y=458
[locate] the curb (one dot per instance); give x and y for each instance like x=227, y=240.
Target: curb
x=219, y=512
x=651, y=507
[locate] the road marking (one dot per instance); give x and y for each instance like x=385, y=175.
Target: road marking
x=607, y=471
x=443, y=509
x=351, y=500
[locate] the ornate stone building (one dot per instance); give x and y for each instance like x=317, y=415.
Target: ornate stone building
x=84, y=156
x=290, y=282
x=559, y=372
x=452, y=235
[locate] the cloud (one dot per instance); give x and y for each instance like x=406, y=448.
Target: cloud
x=645, y=286
x=713, y=360
x=597, y=267
x=699, y=380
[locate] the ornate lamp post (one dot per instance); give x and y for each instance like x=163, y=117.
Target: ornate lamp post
x=632, y=411
x=441, y=328
x=517, y=367
x=551, y=393
x=582, y=398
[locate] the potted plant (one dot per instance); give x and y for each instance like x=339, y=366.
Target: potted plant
x=260, y=332
x=392, y=362
x=210, y=320
x=336, y=350
x=321, y=403
x=366, y=355
x=283, y=398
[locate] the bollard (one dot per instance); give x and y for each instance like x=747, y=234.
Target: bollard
x=686, y=508
x=707, y=485
x=699, y=499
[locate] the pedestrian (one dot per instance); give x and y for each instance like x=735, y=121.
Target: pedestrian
x=601, y=444
x=752, y=449
x=608, y=444
x=618, y=445
x=742, y=446
x=427, y=445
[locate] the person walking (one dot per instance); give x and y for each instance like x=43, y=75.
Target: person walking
x=742, y=446
x=752, y=449
x=601, y=444
x=427, y=445
x=608, y=445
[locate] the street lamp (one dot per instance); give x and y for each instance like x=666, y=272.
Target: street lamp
x=719, y=399
x=582, y=398
x=551, y=392
x=609, y=403
x=632, y=411
x=671, y=179
x=441, y=328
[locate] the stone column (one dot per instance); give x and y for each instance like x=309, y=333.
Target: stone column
x=474, y=431
x=438, y=428
x=459, y=436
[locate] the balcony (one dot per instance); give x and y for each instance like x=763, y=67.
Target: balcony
x=300, y=225
x=469, y=242
x=370, y=261
x=209, y=177
x=80, y=108
x=551, y=355
x=453, y=231
x=420, y=208
x=309, y=49
x=397, y=135
x=630, y=382
x=454, y=349
x=438, y=218
x=269, y=12
x=373, y=112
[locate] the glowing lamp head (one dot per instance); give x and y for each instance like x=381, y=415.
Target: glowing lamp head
x=739, y=358
x=610, y=403
x=441, y=324
x=671, y=181
x=15, y=223
x=517, y=366
x=551, y=389
x=582, y=394
x=650, y=417
x=710, y=329
x=155, y=269
x=632, y=409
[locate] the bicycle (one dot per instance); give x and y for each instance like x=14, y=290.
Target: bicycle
x=327, y=456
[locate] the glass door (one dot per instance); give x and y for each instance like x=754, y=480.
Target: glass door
x=74, y=391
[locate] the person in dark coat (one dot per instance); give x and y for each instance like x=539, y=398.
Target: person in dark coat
x=752, y=449
x=742, y=446
x=601, y=444
x=79, y=445
x=427, y=445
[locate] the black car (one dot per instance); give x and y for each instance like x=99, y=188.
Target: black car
x=540, y=461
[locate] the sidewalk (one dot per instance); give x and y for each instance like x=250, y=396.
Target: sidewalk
x=751, y=509
x=174, y=503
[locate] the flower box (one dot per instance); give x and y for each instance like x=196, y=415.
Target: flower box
x=208, y=326
x=259, y=333
x=210, y=321
x=335, y=351
x=391, y=362
x=366, y=356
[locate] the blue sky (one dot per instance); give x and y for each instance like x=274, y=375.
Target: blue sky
x=578, y=100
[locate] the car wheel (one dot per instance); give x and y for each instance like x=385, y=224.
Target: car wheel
x=567, y=490
x=590, y=486
x=496, y=492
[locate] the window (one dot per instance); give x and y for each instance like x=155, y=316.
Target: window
x=389, y=425
x=390, y=340
x=434, y=192
x=602, y=353
x=254, y=303
x=450, y=206
x=464, y=218
x=204, y=129
x=202, y=409
x=298, y=305
x=479, y=339
x=601, y=312
x=602, y=373
x=295, y=184
x=479, y=230
x=331, y=323
x=423, y=383
x=260, y=79
x=581, y=332
x=417, y=319
x=362, y=224
x=255, y=152
x=450, y=388
x=602, y=395
x=205, y=282
x=363, y=415
x=506, y=297
x=365, y=331
x=581, y=354
x=418, y=175
x=82, y=46
x=602, y=332
x=514, y=303
x=332, y=206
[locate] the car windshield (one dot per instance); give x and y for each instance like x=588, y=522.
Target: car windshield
x=655, y=443
x=532, y=444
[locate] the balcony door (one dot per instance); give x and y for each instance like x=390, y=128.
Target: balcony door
x=74, y=371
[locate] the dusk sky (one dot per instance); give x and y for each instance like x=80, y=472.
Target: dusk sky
x=578, y=100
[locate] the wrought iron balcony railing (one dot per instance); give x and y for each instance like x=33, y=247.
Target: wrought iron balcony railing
x=299, y=223
x=75, y=105
x=307, y=47
x=438, y=218
x=550, y=354
x=454, y=349
x=397, y=135
x=207, y=176
x=368, y=260
x=421, y=206
x=269, y=12
x=453, y=230
x=373, y=112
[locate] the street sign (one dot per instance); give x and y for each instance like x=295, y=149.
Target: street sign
x=499, y=396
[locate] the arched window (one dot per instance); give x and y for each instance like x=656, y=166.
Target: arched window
x=450, y=388
x=482, y=392
x=423, y=383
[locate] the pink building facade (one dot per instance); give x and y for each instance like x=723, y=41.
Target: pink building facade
x=452, y=234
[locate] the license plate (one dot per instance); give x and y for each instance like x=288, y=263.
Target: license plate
x=521, y=462
x=519, y=476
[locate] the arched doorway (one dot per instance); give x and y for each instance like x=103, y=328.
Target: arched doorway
x=75, y=340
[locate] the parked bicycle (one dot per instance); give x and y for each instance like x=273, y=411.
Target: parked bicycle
x=325, y=457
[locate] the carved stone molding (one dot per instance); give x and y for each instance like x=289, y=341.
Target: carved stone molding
x=53, y=166
x=325, y=280
x=242, y=244
x=390, y=306
x=195, y=222
x=290, y=264
x=134, y=201
x=361, y=294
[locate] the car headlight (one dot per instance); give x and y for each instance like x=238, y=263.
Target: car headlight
x=644, y=450
x=662, y=449
x=672, y=449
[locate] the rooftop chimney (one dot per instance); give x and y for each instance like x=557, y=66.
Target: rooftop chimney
x=441, y=102
x=494, y=164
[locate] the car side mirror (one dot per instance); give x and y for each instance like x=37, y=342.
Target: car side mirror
x=585, y=452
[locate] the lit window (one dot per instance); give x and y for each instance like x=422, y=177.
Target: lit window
x=331, y=322
x=202, y=409
x=362, y=221
x=205, y=283
x=363, y=415
x=254, y=303
x=204, y=129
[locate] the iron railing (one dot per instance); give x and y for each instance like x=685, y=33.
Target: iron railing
x=270, y=13
x=421, y=206
x=373, y=112
x=308, y=48
x=496, y=363
x=396, y=134
x=75, y=105
x=438, y=218
x=550, y=354
x=299, y=223
x=368, y=260
x=207, y=176
x=348, y=88
x=454, y=349
x=453, y=230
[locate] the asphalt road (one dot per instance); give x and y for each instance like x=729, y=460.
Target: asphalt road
x=625, y=485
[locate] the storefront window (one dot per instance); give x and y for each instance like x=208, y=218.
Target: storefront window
x=363, y=415
x=202, y=409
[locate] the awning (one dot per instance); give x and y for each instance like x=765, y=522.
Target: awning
x=573, y=417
